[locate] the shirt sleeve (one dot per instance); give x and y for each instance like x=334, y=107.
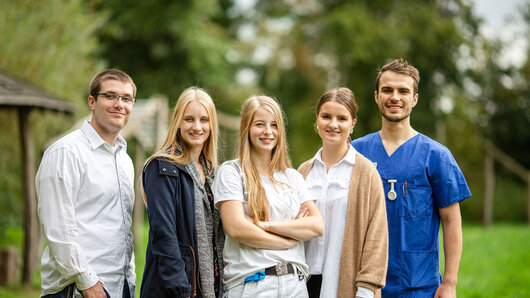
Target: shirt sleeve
x=228, y=184
x=57, y=182
x=364, y=293
x=447, y=180
x=131, y=274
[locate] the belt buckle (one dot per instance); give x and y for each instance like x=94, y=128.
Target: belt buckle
x=281, y=269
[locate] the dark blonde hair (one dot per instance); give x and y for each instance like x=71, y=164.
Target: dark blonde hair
x=258, y=202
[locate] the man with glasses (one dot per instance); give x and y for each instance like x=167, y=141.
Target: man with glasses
x=85, y=199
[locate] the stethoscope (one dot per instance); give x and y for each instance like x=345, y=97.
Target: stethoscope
x=392, y=195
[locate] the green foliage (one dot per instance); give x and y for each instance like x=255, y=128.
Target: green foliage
x=167, y=46
x=341, y=43
x=51, y=44
x=502, y=104
x=10, y=190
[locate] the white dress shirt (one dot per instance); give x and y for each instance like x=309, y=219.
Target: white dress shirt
x=331, y=190
x=85, y=200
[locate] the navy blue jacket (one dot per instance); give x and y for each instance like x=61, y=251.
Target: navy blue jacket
x=171, y=263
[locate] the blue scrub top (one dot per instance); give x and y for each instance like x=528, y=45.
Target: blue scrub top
x=428, y=178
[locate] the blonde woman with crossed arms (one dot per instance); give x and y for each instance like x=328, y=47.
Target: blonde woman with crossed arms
x=266, y=208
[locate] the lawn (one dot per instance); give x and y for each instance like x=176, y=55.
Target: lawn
x=495, y=263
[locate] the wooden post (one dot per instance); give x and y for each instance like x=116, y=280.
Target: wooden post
x=138, y=214
x=528, y=199
x=162, y=119
x=489, y=188
x=8, y=265
x=441, y=130
x=31, y=233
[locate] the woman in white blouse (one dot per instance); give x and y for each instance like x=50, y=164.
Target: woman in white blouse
x=351, y=258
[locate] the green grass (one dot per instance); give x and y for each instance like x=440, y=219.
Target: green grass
x=495, y=263
x=140, y=258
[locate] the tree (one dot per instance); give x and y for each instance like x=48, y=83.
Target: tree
x=50, y=44
x=168, y=46
x=313, y=46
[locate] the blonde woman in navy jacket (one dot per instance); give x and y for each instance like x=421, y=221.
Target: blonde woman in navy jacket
x=184, y=253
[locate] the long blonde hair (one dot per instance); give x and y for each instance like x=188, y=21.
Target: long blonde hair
x=257, y=198
x=174, y=142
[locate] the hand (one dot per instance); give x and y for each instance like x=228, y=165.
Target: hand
x=445, y=291
x=96, y=291
x=302, y=213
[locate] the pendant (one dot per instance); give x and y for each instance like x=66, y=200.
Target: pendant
x=392, y=193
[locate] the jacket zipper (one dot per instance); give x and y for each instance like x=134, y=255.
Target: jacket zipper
x=194, y=272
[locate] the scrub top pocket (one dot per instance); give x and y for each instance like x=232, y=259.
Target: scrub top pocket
x=416, y=212
x=416, y=201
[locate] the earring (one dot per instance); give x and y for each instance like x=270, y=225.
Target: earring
x=316, y=125
x=351, y=131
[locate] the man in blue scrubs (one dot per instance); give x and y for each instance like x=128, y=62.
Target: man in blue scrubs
x=423, y=186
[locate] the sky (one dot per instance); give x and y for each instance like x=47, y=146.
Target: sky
x=502, y=20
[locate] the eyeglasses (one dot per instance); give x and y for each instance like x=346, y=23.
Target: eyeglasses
x=111, y=96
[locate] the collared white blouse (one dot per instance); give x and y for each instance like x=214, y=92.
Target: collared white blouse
x=331, y=190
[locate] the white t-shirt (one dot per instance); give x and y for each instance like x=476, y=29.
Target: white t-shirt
x=242, y=260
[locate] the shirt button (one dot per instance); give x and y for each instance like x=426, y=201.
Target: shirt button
x=164, y=169
x=175, y=171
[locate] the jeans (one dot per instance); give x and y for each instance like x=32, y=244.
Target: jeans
x=289, y=285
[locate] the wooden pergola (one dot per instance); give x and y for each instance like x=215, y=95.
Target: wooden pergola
x=25, y=98
x=492, y=154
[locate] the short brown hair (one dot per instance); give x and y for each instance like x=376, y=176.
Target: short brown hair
x=342, y=95
x=109, y=74
x=400, y=66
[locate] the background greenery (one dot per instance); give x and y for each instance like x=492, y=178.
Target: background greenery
x=293, y=51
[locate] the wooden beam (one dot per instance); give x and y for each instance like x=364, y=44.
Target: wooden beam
x=36, y=101
x=489, y=189
x=512, y=165
x=506, y=160
x=161, y=122
x=138, y=213
x=228, y=121
x=528, y=199
x=31, y=233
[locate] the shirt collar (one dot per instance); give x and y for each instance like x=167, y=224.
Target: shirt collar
x=96, y=141
x=349, y=157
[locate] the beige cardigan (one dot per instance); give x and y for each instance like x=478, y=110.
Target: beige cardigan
x=364, y=257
